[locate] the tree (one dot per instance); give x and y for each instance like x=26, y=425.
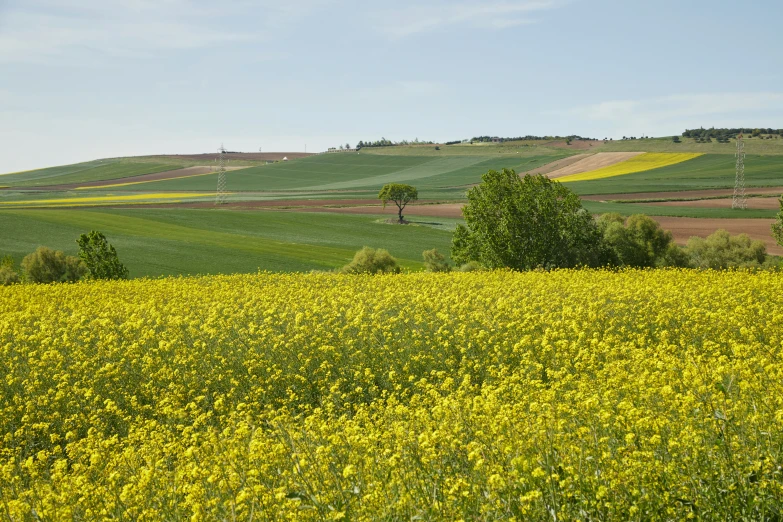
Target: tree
x=638, y=241
x=371, y=261
x=100, y=257
x=722, y=250
x=434, y=261
x=399, y=194
x=524, y=223
x=347, y=146
x=52, y=266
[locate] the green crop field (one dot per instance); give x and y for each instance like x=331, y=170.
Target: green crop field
x=752, y=146
x=365, y=172
x=155, y=242
x=710, y=171
x=83, y=172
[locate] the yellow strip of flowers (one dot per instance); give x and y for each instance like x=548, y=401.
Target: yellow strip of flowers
x=647, y=161
x=108, y=199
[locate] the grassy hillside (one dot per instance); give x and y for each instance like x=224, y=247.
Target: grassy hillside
x=98, y=170
x=705, y=172
x=339, y=172
x=752, y=146
x=161, y=242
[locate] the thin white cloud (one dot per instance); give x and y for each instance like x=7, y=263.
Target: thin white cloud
x=666, y=114
x=433, y=16
x=46, y=31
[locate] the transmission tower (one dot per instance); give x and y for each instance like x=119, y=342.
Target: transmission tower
x=740, y=200
x=220, y=196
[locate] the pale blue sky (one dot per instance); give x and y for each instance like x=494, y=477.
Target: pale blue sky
x=85, y=79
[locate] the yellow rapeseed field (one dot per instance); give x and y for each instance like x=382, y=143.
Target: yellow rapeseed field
x=114, y=198
x=569, y=395
x=640, y=163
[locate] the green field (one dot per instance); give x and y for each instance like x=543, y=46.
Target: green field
x=155, y=242
x=364, y=172
x=83, y=172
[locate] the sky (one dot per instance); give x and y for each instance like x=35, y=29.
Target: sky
x=89, y=79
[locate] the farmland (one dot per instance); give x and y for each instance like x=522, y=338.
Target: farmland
x=632, y=395
x=623, y=175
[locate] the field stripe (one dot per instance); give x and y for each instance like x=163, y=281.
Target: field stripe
x=641, y=163
x=86, y=201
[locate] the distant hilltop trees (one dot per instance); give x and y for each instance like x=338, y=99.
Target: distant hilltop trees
x=724, y=135
x=497, y=139
x=383, y=142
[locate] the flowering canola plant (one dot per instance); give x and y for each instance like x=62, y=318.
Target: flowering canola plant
x=85, y=201
x=640, y=163
x=567, y=395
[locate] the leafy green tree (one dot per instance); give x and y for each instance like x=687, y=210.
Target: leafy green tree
x=524, y=223
x=434, y=261
x=638, y=241
x=721, y=250
x=399, y=194
x=52, y=266
x=371, y=261
x=100, y=257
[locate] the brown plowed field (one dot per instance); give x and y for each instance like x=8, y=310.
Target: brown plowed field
x=753, y=203
x=559, y=164
x=593, y=162
x=575, y=144
x=683, y=228
x=685, y=194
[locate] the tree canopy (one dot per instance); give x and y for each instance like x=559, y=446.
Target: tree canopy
x=399, y=194
x=524, y=223
x=100, y=257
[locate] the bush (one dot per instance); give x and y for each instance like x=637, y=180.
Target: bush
x=638, y=241
x=434, y=261
x=8, y=274
x=722, y=250
x=371, y=261
x=471, y=266
x=52, y=266
x=100, y=257
x=524, y=223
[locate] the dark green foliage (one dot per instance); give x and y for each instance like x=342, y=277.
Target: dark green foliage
x=721, y=250
x=638, y=241
x=434, y=261
x=399, y=194
x=371, y=261
x=100, y=257
x=52, y=266
x=8, y=273
x=524, y=223
x=777, y=226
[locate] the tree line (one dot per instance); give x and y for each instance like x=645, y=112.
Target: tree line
x=728, y=133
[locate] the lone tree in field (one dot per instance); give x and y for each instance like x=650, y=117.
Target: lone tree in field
x=100, y=257
x=400, y=194
x=525, y=223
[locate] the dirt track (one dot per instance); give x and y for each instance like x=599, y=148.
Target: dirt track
x=593, y=162
x=559, y=164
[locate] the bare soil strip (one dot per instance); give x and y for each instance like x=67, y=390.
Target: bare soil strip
x=753, y=203
x=559, y=164
x=684, y=194
x=575, y=144
x=593, y=162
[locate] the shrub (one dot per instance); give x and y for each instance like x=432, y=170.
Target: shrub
x=52, y=266
x=371, y=261
x=8, y=274
x=471, y=266
x=638, y=241
x=722, y=250
x=434, y=261
x=100, y=257
x=524, y=223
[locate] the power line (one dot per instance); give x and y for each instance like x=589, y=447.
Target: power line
x=220, y=196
